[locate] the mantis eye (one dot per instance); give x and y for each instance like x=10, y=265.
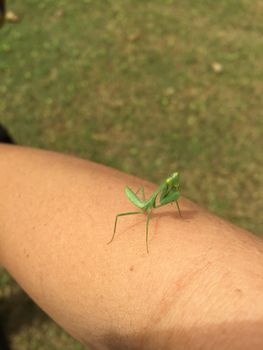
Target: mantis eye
x=168, y=181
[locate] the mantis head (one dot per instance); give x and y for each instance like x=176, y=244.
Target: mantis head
x=173, y=180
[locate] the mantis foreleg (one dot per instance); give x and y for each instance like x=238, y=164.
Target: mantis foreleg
x=142, y=191
x=170, y=198
x=164, y=193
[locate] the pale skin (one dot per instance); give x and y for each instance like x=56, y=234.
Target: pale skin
x=200, y=286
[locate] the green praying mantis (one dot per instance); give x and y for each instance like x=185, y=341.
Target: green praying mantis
x=168, y=192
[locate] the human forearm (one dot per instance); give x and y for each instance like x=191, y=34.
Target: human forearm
x=56, y=216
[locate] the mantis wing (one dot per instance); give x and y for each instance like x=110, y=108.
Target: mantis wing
x=133, y=198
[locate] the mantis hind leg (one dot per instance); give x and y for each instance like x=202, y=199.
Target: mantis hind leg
x=147, y=230
x=178, y=208
x=116, y=219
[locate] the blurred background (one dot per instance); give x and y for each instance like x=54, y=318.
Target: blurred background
x=148, y=87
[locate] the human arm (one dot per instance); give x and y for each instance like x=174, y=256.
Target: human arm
x=201, y=285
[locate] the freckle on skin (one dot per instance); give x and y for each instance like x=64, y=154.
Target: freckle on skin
x=131, y=268
x=238, y=290
x=26, y=253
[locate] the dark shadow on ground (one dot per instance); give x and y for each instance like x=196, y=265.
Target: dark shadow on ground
x=18, y=311
x=4, y=344
x=5, y=136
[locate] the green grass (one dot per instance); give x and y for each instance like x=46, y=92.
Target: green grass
x=131, y=84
